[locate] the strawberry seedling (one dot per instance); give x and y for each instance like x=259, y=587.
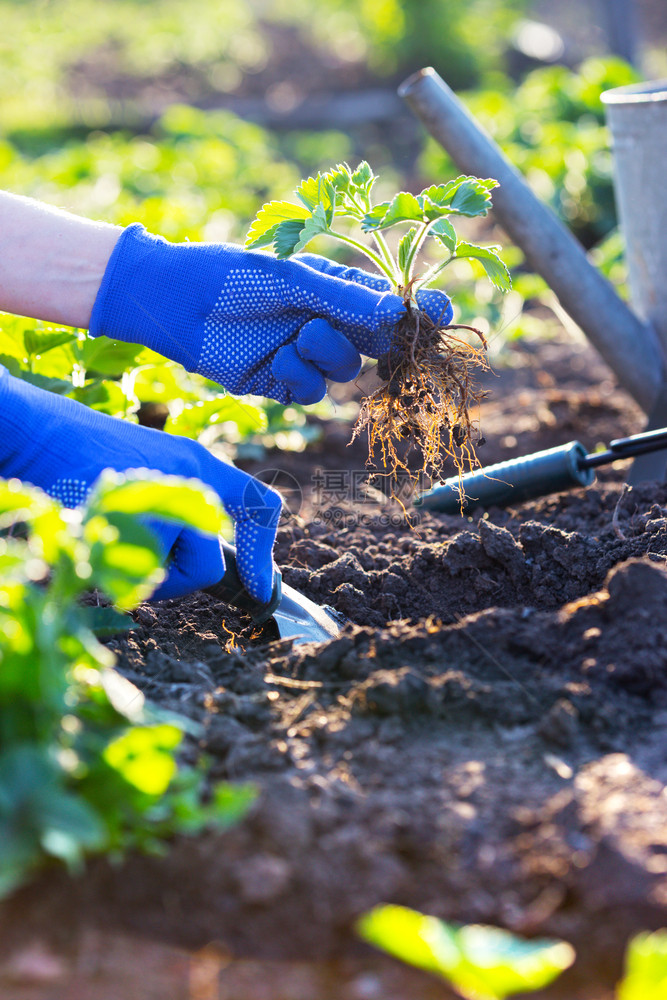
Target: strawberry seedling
x=428, y=391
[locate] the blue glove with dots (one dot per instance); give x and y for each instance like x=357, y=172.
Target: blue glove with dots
x=276, y=328
x=62, y=447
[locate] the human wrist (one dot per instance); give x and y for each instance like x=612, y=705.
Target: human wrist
x=51, y=262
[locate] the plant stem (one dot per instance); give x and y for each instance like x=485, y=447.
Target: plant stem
x=414, y=250
x=386, y=253
x=434, y=271
x=378, y=261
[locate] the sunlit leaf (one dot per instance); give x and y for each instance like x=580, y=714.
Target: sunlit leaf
x=286, y=238
x=315, y=226
x=472, y=197
x=172, y=498
x=340, y=177
x=144, y=757
x=404, y=248
x=102, y=356
x=319, y=192
x=40, y=341
x=363, y=175
x=103, y=395
x=444, y=231
x=490, y=261
x=19, y=501
x=645, y=968
x=374, y=217
x=11, y=342
x=196, y=417
x=462, y=196
x=263, y=230
x=403, y=207
x=481, y=963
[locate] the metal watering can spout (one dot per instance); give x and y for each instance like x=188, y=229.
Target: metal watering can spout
x=633, y=343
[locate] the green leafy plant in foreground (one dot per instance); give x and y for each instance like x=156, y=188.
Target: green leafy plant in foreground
x=645, y=968
x=345, y=194
x=427, y=391
x=488, y=963
x=85, y=765
x=481, y=963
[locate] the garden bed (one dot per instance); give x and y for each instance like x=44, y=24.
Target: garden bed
x=485, y=742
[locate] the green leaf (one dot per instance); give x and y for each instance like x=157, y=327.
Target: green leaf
x=374, y=217
x=472, y=197
x=33, y=798
x=363, y=176
x=69, y=827
x=286, y=238
x=645, y=968
x=462, y=196
x=12, y=364
x=144, y=757
x=404, y=247
x=362, y=182
x=22, y=502
x=195, y=418
x=125, y=556
x=38, y=341
x=318, y=192
x=104, y=395
x=106, y=622
x=403, y=207
x=340, y=178
x=58, y=385
x=444, y=231
x=173, y=498
x=230, y=803
x=264, y=229
x=315, y=226
x=481, y=963
x=102, y=356
x=490, y=261
x=11, y=343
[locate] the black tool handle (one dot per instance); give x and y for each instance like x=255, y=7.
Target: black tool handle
x=512, y=482
x=231, y=590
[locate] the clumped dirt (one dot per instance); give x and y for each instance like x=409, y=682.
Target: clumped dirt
x=485, y=741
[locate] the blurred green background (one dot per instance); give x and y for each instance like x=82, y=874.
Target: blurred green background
x=188, y=114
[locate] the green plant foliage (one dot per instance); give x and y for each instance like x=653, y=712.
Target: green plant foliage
x=645, y=968
x=85, y=765
x=344, y=195
x=481, y=963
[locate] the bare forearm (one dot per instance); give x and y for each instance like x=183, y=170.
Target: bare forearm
x=51, y=262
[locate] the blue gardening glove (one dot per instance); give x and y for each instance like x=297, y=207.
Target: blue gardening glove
x=62, y=447
x=254, y=324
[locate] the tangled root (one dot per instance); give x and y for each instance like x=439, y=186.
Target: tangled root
x=428, y=397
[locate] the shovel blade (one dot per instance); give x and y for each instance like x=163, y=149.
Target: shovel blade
x=300, y=618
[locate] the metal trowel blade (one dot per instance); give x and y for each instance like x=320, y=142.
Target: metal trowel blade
x=300, y=618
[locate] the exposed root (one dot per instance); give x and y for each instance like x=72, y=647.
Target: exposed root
x=428, y=397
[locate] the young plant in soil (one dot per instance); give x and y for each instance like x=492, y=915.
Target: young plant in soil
x=428, y=393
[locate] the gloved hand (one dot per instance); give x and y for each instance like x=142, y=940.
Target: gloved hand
x=252, y=323
x=62, y=447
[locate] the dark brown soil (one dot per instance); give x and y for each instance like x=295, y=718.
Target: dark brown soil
x=485, y=742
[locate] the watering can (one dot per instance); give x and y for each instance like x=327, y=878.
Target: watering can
x=632, y=340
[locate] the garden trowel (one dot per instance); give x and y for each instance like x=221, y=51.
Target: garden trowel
x=295, y=615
